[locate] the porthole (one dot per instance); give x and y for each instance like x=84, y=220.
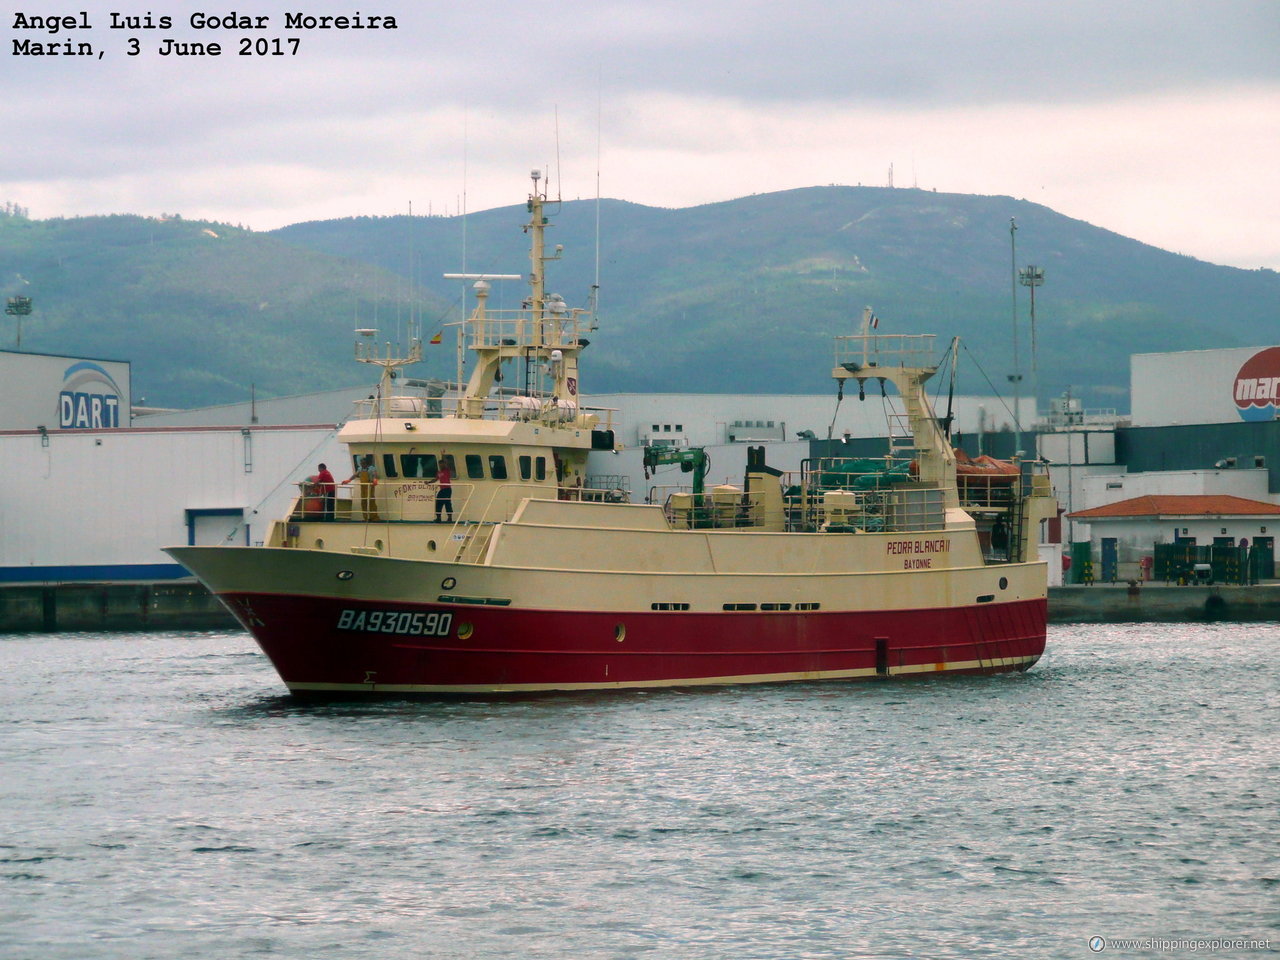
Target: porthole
x=465, y=630
x=431, y=546
x=1004, y=583
x=345, y=574
x=448, y=583
x=377, y=545
x=319, y=544
x=620, y=632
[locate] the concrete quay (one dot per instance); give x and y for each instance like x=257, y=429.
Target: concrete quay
x=186, y=605
x=1164, y=603
x=100, y=607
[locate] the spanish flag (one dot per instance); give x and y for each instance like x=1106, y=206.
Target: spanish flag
x=438, y=338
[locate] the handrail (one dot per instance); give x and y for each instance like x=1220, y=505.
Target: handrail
x=513, y=407
x=886, y=350
x=392, y=496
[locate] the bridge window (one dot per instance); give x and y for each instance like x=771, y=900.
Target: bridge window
x=526, y=467
x=498, y=466
x=418, y=465
x=389, y=464
x=540, y=468
x=475, y=466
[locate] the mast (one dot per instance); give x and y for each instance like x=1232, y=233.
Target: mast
x=906, y=362
x=367, y=352
x=543, y=336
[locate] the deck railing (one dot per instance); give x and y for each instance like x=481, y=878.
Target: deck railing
x=498, y=407
x=414, y=500
x=885, y=350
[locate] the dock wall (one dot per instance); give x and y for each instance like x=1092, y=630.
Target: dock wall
x=186, y=605
x=98, y=607
x=1119, y=603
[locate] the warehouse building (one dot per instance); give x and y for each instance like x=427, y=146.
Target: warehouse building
x=104, y=488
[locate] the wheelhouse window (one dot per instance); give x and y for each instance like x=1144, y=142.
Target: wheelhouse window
x=498, y=466
x=418, y=465
x=540, y=468
x=526, y=467
x=475, y=466
x=389, y=465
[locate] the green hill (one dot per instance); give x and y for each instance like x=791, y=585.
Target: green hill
x=736, y=296
x=745, y=295
x=204, y=311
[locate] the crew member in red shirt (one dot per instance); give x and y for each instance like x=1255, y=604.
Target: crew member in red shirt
x=444, y=492
x=327, y=488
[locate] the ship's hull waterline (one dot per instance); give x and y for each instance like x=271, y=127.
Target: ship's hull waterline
x=348, y=639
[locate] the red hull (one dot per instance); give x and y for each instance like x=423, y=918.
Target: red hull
x=325, y=644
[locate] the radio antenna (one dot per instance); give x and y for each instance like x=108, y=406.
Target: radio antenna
x=595, y=287
x=466, y=116
x=559, y=173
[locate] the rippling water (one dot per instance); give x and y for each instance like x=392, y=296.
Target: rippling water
x=161, y=797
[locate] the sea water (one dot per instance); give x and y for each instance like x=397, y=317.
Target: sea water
x=163, y=797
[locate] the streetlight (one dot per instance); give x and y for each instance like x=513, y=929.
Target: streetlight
x=1015, y=378
x=1033, y=276
x=18, y=307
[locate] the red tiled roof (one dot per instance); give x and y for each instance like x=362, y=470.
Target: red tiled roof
x=1181, y=505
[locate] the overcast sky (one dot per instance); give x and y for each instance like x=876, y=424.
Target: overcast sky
x=1159, y=120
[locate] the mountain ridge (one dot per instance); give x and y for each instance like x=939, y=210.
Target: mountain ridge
x=734, y=296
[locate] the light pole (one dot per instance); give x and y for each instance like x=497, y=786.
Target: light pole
x=1015, y=378
x=18, y=307
x=1033, y=276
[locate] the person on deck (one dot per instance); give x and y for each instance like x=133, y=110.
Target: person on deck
x=328, y=490
x=368, y=475
x=444, y=492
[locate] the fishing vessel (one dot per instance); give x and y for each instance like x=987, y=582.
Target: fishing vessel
x=480, y=556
